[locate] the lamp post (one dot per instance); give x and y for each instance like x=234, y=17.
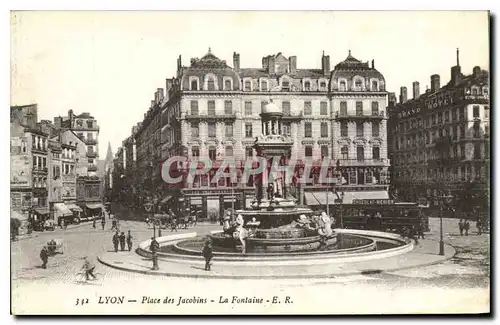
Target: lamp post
x=444, y=199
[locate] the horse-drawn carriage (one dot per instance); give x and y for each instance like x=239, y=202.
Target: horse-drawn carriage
x=174, y=221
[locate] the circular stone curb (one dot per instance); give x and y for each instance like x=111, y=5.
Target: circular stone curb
x=280, y=276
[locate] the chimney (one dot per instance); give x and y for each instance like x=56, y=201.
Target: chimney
x=156, y=97
x=272, y=65
x=293, y=64
x=161, y=95
x=179, y=66
x=476, y=71
x=58, y=122
x=373, y=64
x=153, y=102
x=416, y=89
x=265, y=62
x=435, y=83
x=325, y=64
x=403, y=97
x=456, y=74
x=236, y=62
x=392, y=99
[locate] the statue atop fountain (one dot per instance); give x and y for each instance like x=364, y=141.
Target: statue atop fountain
x=277, y=224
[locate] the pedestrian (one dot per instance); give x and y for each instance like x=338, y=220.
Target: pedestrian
x=421, y=228
x=115, y=241
x=44, y=256
x=413, y=234
x=461, y=227
x=466, y=227
x=129, y=241
x=103, y=223
x=62, y=223
x=154, y=246
x=207, y=254
x=114, y=225
x=122, y=241
x=479, y=226
x=93, y=223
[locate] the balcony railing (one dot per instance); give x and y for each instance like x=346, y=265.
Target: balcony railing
x=92, y=168
x=211, y=116
x=363, y=162
x=360, y=115
x=91, y=154
x=90, y=141
x=40, y=169
x=85, y=127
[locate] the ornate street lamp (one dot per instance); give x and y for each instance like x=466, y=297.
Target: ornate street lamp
x=149, y=207
x=444, y=199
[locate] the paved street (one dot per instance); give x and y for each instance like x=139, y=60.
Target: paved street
x=467, y=272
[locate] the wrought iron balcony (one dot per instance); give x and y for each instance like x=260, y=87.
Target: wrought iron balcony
x=91, y=154
x=363, y=162
x=360, y=115
x=92, y=168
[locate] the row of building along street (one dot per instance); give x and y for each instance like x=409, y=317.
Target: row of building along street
x=56, y=176
x=433, y=144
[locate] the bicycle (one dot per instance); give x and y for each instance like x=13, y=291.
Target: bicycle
x=81, y=277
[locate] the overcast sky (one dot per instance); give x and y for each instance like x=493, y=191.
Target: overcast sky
x=110, y=63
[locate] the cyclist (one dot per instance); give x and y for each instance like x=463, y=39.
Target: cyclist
x=89, y=268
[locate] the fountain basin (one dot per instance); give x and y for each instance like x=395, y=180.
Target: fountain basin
x=276, y=245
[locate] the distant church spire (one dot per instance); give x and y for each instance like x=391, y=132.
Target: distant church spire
x=458, y=59
x=109, y=154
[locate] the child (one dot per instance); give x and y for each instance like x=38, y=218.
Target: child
x=207, y=254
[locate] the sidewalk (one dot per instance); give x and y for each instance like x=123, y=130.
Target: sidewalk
x=57, y=230
x=423, y=255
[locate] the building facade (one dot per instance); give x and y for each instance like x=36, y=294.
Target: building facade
x=441, y=141
x=85, y=127
x=210, y=109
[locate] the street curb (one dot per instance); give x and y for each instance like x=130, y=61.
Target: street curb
x=281, y=276
x=46, y=232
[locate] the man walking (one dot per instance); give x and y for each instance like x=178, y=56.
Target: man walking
x=129, y=241
x=122, y=241
x=479, y=226
x=461, y=227
x=103, y=222
x=44, y=256
x=466, y=227
x=207, y=254
x=115, y=241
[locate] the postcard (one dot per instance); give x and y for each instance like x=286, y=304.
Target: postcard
x=250, y=162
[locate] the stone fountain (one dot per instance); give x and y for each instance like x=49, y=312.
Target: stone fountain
x=274, y=224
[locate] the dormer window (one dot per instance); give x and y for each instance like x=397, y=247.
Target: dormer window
x=358, y=84
x=194, y=84
x=263, y=85
x=248, y=85
x=307, y=86
x=374, y=85
x=227, y=84
x=342, y=86
x=475, y=91
x=211, y=84
x=322, y=84
x=285, y=85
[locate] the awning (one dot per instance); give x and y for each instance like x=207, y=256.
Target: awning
x=195, y=201
x=17, y=215
x=63, y=209
x=311, y=199
x=94, y=206
x=42, y=211
x=166, y=199
x=365, y=195
x=321, y=198
x=74, y=207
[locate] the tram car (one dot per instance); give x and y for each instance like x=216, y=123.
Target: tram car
x=382, y=215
